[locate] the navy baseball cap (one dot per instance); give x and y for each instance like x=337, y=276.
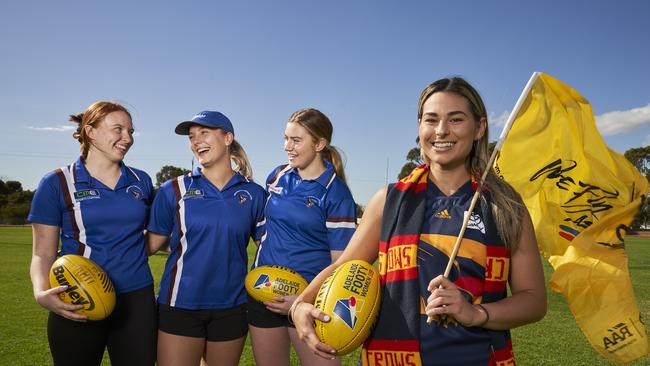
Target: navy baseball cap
x=210, y=119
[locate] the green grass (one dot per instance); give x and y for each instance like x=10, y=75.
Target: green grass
x=556, y=340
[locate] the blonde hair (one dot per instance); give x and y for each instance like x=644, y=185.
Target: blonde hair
x=93, y=115
x=320, y=127
x=506, y=205
x=240, y=158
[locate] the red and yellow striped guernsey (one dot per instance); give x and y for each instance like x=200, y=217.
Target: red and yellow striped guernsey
x=396, y=338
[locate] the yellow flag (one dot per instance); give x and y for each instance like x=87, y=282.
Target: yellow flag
x=581, y=196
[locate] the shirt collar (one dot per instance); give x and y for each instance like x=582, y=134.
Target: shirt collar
x=197, y=172
x=325, y=178
x=81, y=174
x=235, y=179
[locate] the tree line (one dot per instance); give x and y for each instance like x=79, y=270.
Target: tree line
x=15, y=202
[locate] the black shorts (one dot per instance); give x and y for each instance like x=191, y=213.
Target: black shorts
x=129, y=334
x=212, y=325
x=261, y=317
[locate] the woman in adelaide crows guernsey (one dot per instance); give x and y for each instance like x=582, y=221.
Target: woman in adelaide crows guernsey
x=208, y=216
x=411, y=226
x=310, y=217
x=98, y=207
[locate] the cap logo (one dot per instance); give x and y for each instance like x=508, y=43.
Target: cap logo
x=200, y=115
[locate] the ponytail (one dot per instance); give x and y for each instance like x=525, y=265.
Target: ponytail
x=333, y=155
x=94, y=114
x=80, y=134
x=239, y=157
x=320, y=127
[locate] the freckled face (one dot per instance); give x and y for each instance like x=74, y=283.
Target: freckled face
x=447, y=130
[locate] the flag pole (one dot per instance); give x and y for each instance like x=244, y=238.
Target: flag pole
x=497, y=148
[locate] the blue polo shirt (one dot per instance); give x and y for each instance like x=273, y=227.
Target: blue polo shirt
x=103, y=224
x=209, y=230
x=305, y=220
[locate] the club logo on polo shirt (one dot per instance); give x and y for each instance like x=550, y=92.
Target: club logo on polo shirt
x=193, y=193
x=135, y=192
x=346, y=310
x=476, y=223
x=243, y=196
x=312, y=201
x=86, y=194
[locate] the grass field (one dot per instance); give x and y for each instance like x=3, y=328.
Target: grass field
x=556, y=340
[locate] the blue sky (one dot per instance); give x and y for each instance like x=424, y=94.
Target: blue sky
x=362, y=63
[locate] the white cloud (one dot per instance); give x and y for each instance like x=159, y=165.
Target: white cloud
x=499, y=121
x=609, y=123
x=615, y=122
x=61, y=128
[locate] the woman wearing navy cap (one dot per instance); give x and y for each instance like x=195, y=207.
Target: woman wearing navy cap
x=208, y=217
x=310, y=216
x=105, y=225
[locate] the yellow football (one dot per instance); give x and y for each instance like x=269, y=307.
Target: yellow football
x=264, y=283
x=88, y=285
x=351, y=297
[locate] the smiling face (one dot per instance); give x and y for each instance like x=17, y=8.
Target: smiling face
x=112, y=137
x=447, y=131
x=301, y=148
x=209, y=145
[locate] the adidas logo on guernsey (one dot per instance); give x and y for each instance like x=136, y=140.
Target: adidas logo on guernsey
x=444, y=214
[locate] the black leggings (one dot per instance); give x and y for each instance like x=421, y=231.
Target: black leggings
x=129, y=333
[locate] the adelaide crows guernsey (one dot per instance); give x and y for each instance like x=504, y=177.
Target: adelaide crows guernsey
x=103, y=224
x=209, y=230
x=305, y=220
x=482, y=254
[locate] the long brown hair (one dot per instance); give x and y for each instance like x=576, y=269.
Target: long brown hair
x=93, y=115
x=320, y=127
x=507, y=206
